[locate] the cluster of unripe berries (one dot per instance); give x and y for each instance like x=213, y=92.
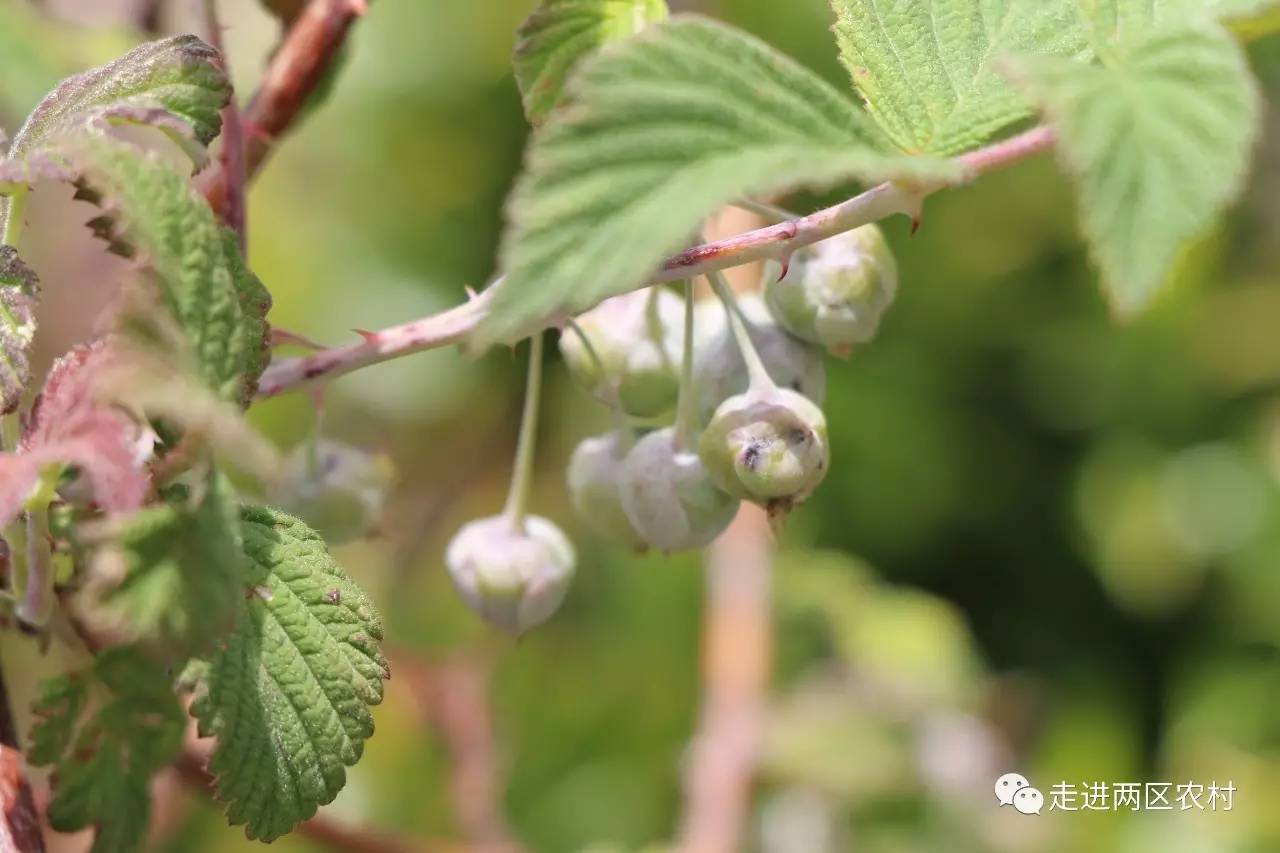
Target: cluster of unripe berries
x=715, y=404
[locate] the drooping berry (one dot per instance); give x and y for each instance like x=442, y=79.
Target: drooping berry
x=769, y=447
x=668, y=497
x=513, y=575
x=337, y=489
x=636, y=339
x=836, y=291
x=595, y=472
x=720, y=371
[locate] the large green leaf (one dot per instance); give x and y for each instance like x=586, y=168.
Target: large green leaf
x=929, y=69
x=105, y=731
x=664, y=129
x=288, y=695
x=19, y=291
x=151, y=210
x=559, y=33
x=1158, y=140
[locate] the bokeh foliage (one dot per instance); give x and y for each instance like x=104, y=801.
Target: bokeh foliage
x=1053, y=541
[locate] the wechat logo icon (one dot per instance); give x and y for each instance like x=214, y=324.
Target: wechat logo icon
x=1013, y=789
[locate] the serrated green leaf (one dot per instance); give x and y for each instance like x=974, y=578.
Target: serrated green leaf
x=19, y=294
x=152, y=209
x=928, y=69
x=1158, y=141
x=288, y=696
x=105, y=731
x=175, y=84
x=560, y=33
x=1113, y=23
x=664, y=129
x=170, y=577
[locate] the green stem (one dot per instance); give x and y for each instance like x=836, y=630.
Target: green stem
x=14, y=218
x=756, y=372
x=611, y=399
x=687, y=401
x=522, y=476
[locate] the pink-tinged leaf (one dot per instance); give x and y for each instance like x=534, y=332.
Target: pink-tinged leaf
x=70, y=426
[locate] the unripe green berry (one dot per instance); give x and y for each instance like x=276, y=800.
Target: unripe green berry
x=770, y=447
x=638, y=346
x=337, y=489
x=720, y=371
x=513, y=576
x=668, y=496
x=595, y=472
x=836, y=291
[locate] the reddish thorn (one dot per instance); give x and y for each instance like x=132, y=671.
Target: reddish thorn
x=360, y=8
x=786, y=267
x=283, y=338
x=369, y=337
x=471, y=292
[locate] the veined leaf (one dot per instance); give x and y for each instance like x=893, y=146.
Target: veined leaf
x=559, y=33
x=152, y=209
x=105, y=731
x=664, y=129
x=288, y=695
x=1158, y=141
x=19, y=292
x=170, y=575
x=174, y=84
x=927, y=69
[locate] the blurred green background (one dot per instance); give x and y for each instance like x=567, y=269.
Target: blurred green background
x=1050, y=543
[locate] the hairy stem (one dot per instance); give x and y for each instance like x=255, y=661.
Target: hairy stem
x=773, y=241
x=760, y=381
x=522, y=476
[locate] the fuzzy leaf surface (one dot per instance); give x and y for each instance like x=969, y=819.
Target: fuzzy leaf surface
x=1158, y=141
x=560, y=33
x=19, y=293
x=928, y=70
x=175, y=84
x=152, y=211
x=105, y=731
x=288, y=695
x=170, y=578
x=662, y=130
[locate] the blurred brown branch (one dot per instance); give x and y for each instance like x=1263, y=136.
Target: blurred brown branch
x=453, y=697
x=231, y=157
x=19, y=822
x=737, y=655
x=296, y=69
x=332, y=833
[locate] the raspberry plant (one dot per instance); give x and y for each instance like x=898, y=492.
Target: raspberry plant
x=129, y=475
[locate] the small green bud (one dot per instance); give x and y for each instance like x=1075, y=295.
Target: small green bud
x=638, y=344
x=770, y=448
x=668, y=496
x=595, y=471
x=514, y=577
x=719, y=370
x=337, y=489
x=836, y=291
